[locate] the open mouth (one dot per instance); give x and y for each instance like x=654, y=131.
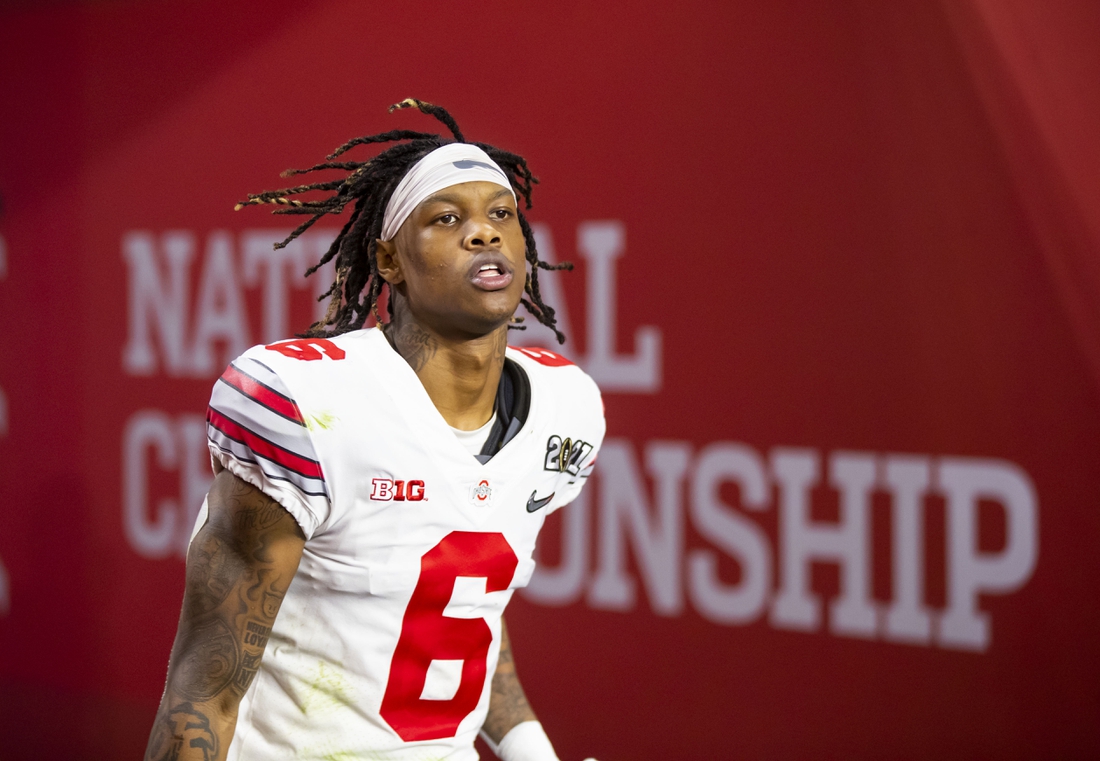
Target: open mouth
x=491, y=275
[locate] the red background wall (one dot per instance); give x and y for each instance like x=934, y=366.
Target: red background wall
x=856, y=227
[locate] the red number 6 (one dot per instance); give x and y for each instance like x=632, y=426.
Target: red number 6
x=427, y=635
x=307, y=349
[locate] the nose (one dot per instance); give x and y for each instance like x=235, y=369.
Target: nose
x=482, y=233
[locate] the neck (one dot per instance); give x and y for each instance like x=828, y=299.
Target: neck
x=461, y=375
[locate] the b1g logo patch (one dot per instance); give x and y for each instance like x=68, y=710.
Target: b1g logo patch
x=390, y=490
x=566, y=455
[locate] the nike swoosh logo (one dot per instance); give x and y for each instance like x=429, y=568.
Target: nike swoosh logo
x=537, y=504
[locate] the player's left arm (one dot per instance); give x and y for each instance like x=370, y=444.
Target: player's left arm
x=508, y=704
x=511, y=728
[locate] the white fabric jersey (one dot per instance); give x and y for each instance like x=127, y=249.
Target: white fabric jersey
x=388, y=637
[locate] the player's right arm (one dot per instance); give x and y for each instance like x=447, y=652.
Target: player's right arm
x=239, y=567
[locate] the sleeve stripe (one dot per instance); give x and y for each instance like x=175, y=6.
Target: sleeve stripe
x=284, y=457
x=260, y=393
x=302, y=484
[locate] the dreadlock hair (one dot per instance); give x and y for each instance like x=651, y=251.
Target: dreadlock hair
x=367, y=187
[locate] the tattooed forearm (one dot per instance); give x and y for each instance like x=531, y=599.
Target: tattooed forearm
x=212, y=571
x=250, y=664
x=256, y=634
x=508, y=704
x=271, y=600
x=182, y=727
x=261, y=518
x=239, y=568
x=208, y=660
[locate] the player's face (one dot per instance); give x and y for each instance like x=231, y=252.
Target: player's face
x=458, y=260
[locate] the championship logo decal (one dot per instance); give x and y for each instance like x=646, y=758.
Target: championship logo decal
x=566, y=455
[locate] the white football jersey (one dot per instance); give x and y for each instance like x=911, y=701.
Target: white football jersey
x=388, y=637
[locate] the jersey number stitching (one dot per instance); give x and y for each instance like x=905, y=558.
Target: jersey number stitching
x=543, y=356
x=427, y=635
x=307, y=349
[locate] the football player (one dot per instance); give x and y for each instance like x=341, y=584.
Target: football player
x=379, y=490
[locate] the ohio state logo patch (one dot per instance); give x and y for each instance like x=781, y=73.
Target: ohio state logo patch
x=482, y=494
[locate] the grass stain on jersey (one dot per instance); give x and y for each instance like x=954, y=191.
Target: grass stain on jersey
x=351, y=755
x=326, y=691
x=321, y=420
x=370, y=755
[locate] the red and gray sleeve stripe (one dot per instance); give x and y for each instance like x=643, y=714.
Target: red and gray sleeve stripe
x=259, y=384
x=253, y=418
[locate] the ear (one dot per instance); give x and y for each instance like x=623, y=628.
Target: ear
x=385, y=254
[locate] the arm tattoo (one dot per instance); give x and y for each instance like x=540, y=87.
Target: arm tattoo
x=209, y=659
x=210, y=578
x=179, y=728
x=239, y=568
x=508, y=704
x=259, y=519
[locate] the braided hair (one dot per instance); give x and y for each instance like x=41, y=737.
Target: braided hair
x=367, y=187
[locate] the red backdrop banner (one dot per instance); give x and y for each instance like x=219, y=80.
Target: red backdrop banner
x=836, y=274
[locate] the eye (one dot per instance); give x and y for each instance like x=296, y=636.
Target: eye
x=501, y=213
x=446, y=219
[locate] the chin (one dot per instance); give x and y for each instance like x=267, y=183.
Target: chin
x=497, y=306
x=488, y=324
x=476, y=322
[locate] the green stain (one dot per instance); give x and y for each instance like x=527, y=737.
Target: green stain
x=367, y=755
x=326, y=691
x=321, y=420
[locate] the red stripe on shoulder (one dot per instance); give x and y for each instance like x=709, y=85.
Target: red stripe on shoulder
x=543, y=356
x=262, y=394
x=303, y=466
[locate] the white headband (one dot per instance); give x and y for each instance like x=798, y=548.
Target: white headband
x=451, y=164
